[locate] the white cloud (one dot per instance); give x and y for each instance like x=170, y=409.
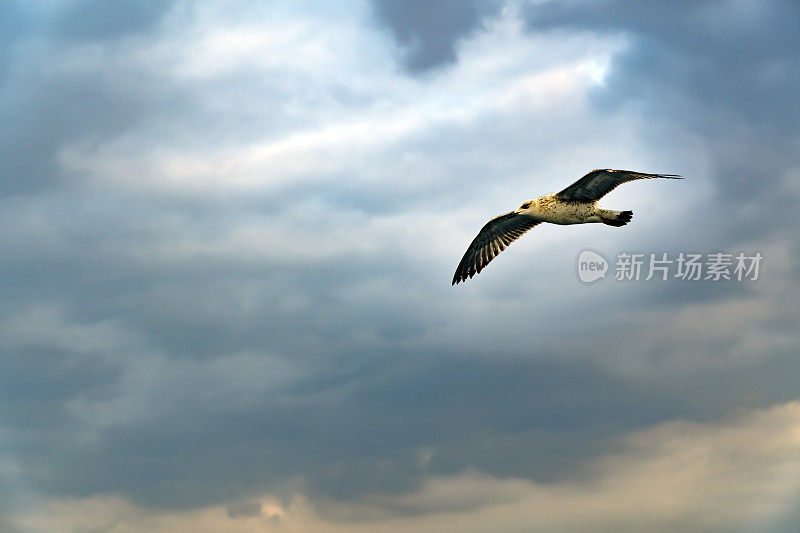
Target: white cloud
x=328, y=100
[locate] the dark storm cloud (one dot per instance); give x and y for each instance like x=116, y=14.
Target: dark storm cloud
x=219, y=372
x=353, y=419
x=451, y=406
x=429, y=30
x=37, y=386
x=361, y=436
x=53, y=377
x=726, y=70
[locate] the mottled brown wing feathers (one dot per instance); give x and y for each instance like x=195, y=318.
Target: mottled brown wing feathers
x=598, y=183
x=491, y=240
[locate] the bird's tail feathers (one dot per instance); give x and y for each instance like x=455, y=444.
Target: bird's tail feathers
x=616, y=218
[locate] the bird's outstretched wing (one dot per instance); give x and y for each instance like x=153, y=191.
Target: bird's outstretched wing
x=598, y=183
x=491, y=240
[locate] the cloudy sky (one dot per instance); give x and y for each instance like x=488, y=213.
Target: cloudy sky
x=228, y=231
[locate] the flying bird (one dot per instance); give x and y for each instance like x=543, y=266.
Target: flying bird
x=577, y=204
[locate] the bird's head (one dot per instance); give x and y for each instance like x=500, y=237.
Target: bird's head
x=529, y=206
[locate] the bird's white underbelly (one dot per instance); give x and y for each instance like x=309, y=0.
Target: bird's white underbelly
x=557, y=212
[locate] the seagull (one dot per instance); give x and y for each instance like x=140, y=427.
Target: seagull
x=577, y=204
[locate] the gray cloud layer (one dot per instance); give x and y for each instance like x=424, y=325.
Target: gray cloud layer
x=197, y=346
x=430, y=30
x=726, y=71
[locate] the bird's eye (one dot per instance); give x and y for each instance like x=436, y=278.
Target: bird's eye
x=526, y=205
